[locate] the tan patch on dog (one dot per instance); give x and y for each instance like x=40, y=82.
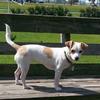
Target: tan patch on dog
x=22, y=50
x=84, y=46
x=69, y=44
x=16, y=46
x=48, y=52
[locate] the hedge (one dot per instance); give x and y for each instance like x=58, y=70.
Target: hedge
x=91, y=11
x=42, y=10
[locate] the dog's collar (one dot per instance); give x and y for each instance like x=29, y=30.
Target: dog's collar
x=68, y=58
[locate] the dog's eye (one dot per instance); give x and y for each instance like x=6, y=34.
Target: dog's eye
x=73, y=51
x=80, y=51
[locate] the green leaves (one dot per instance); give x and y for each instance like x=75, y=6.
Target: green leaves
x=42, y=10
x=90, y=12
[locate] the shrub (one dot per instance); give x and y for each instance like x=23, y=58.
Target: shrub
x=82, y=13
x=31, y=10
x=90, y=12
x=13, y=10
x=60, y=11
x=51, y=10
x=57, y=10
x=43, y=10
x=17, y=11
x=38, y=9
x=66, y=10
x=69, y=14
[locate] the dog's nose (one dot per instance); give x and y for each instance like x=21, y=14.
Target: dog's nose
x=77, y=58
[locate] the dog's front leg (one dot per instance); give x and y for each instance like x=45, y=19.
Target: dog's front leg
x=57, y=78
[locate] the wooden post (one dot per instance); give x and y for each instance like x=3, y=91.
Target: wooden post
x=64, y=37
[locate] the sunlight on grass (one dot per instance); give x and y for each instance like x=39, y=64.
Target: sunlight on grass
x=87, y=38
x=89, y=59
x=33, y=37
x=36, y=37
x=9, y=59
x=50, y=38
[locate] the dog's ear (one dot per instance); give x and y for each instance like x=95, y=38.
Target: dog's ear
x=69, y=44
x=84, y=46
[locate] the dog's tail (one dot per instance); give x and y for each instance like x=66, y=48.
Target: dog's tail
x=8, y=37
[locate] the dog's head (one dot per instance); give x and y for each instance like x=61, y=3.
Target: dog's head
x=75, y=49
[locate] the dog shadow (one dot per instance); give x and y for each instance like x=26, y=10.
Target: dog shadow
x=76, y=90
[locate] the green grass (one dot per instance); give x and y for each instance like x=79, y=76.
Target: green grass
x=50, y=38
x=3, y=4
x=3, y=7
x=89, y=59
x=87, y=38
x=9, y=59
x=3, y=11
x=33, y=37
x=36, y=37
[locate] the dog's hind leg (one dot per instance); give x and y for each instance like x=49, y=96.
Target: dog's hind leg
x=17, y=74
x=24, y=71
x=23, y=77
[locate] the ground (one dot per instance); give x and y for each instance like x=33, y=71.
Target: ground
x=44, y=88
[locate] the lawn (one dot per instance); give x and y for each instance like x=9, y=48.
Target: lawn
x=87, y=38
x=3, y=7
x=32, y=37
x=50, y=38
x=9, y=59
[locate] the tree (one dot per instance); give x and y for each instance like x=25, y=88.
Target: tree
x=93, y=2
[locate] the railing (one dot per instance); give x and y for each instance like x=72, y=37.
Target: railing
x=40, y=24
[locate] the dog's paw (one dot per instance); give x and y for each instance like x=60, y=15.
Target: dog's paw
x=28, y=87
x=18, y=83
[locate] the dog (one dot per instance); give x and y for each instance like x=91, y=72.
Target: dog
x=56, y=59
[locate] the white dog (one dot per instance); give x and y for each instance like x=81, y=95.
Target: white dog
x=56, y=59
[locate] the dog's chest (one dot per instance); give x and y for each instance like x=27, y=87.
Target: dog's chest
x=66, y=64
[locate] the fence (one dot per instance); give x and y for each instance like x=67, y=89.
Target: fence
x=64, y=25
